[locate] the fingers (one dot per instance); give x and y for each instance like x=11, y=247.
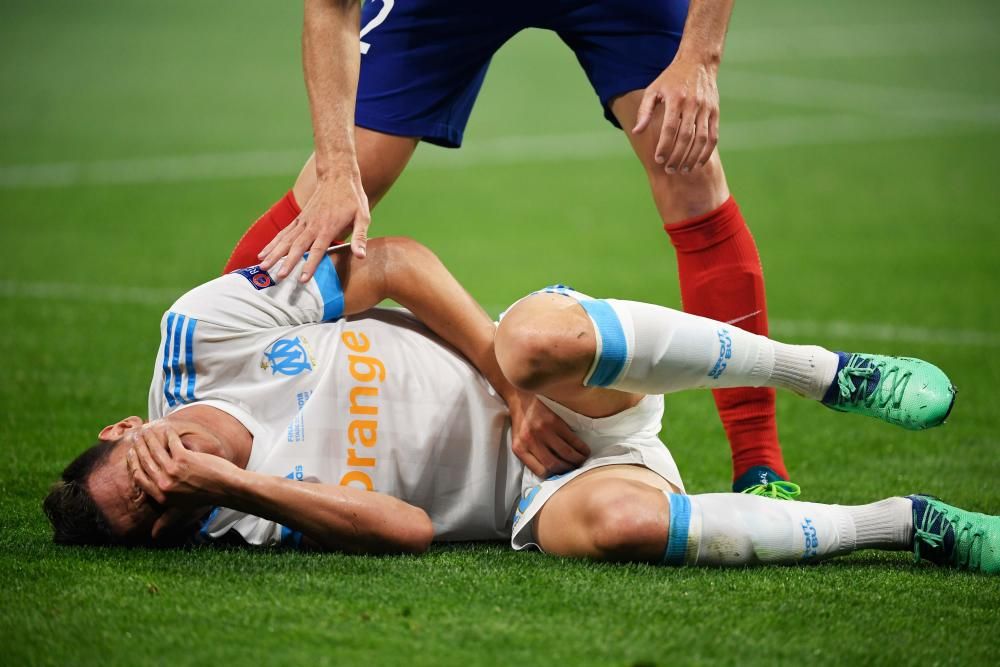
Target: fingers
x=278, y=247
x=141, y=480
x=152, y=460
x=317, y=252
x=298, y=247
x=645, y=114
x=359, y=237
x=697, y=144
x=713, y=138
x=533, y=464
x=686, y=133
x=668, y=133
x=549, y=452
x=581, y=452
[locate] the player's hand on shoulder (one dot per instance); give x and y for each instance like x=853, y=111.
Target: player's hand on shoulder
x=543, y=442
x=171, y=474
x=689, y=133
x=337, y=207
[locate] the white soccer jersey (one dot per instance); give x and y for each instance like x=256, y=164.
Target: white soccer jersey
x=374, y=402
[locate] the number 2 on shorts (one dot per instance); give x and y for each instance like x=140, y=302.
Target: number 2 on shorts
x=387, y=6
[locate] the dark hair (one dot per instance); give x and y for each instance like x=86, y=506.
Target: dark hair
x=71, y=510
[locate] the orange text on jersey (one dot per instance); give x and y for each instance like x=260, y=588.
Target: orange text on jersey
x=362, y=429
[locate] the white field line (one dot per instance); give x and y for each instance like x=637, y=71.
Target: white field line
x=842, y=42
x=736, y=136
x=879, y=99
x=820, y=330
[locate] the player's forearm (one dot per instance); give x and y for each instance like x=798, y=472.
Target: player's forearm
x=330, y=59
x=405, y=271
x=417, y=279
x=334, y=517
x=705, y=31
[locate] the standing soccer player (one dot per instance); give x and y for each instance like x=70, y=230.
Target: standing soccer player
x=653, y=66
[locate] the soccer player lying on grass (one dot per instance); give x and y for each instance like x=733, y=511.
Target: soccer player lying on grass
x=261, y=387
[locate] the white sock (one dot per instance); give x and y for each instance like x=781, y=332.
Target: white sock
x=738, y=529
x=887, y=524
x=648, y=349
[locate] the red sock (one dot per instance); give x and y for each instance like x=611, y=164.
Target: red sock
x=721, y=278
x=279, y=216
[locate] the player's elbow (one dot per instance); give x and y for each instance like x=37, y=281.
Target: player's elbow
x=404, y=255
x=414, y=533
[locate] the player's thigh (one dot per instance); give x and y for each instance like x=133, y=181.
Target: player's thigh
x=615, y=512
x=678, y=196
x=381, y=159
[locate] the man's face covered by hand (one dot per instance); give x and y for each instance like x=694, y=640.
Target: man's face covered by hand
x=133, y=514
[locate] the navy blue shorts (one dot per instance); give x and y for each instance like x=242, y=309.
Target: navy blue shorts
x=423, y=61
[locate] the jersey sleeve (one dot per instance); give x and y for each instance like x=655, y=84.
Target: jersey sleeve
x=251, y=299
x=210, y=333
x=225, y=526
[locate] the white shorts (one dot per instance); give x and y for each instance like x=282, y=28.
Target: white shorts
x=630, y=437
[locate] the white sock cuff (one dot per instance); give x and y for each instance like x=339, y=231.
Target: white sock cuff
x=887, y=524
x=807, y=370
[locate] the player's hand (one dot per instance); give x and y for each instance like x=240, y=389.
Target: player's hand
x=165, y=470
x=690, y=132
x=543, y=442
x=339, y=204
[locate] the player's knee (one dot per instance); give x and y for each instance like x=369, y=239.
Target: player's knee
x=535, y=353
x=625, y=520
x=681, y=196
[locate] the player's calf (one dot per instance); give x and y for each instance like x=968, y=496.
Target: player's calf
x=605, y=518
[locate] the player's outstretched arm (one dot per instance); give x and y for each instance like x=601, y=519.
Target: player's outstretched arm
x=688, y=91
x=331, y=517
x=330, y=58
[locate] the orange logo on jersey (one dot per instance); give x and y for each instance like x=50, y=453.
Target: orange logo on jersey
x=368, y=371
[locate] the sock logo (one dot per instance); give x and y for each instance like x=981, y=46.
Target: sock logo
x=811, y=540
x=725, y=352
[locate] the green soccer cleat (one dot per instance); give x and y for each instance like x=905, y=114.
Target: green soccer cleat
x=948, y=535
x=907, y=392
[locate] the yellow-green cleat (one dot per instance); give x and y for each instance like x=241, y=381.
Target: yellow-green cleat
x=947, y=535
x=907, y=392
x=762, y=481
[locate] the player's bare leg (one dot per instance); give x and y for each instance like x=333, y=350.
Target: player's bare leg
x=720, y=277
x=381, y=159
x=616, y=512
x=558, y=343
x=598, y=357
x=629, y=513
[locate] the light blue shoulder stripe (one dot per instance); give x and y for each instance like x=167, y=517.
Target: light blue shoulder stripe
x=168, y=333
x=328, y=283
x=175, y=357
x=189, y=358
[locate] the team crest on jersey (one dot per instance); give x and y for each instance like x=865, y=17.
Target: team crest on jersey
x=259, y=278
x=288, y=356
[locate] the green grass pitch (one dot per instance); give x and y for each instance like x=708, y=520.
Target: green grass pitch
x=137, y=141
